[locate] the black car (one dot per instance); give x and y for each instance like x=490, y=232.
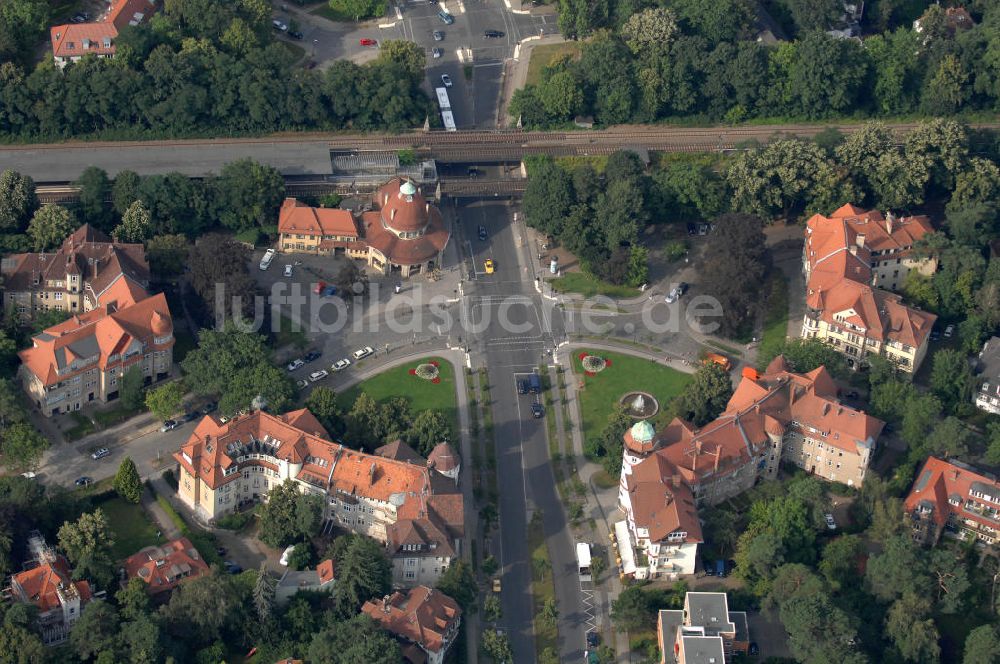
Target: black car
x=523, y=387
x=493, y=34
x=209, y=408
x=692, y=229
x=537, y=411
x=191, y=417
x=754, y=650
x=312, y=356
x=294, y=34
x=482, y=232
x=83, y=481
x=593, y=639
x=235, y=569
x=81, y=17
x=221, y=550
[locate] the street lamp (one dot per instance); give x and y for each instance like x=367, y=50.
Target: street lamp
x=315, y=42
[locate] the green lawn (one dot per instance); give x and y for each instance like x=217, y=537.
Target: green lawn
x=397, y=382
x=601, y=392
x=115, y=415
x=297, y=51
x=776, y=317
x=542, y=56
x=132, y=527
x=83, y=427
x=588, y=285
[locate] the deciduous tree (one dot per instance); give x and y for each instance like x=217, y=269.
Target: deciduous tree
x=364, y=574
x=135, y=224
x=218, y=269
x=981, y=646
x=735, y=264
x=706, y=395
x=95, y=189
x=429, y=428
x=96, y=632
x=322, y=402
x=249, y=194
x=50, y=225
x=87, y=543
x=22, y=446
x=17, y=201
x=911, y=628
x=459, y=583
x=165, y=400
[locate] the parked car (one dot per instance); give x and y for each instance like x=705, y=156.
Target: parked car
x=709, y=568
x=83, y=481
x=489, y=266
x=362, y=353
x=318, y=287
x=318, y=375
x=523, y=386
x=100, y=453
x=537, y=411
x=496, y=585
x=265, y=261
x=535, y=383
x=169, y=425
x=340, y=365
x=692, y=229
x=677, y=292
x=438, y=35
x=295, y=34
x=329, y=291
x=302, y=383
x=313, y=355
x=720, y=568
x=437, y=52
x=285, y=554
x=830, y=523
x=719, y=359
x=593, y=639
x=493, y=34
x=482, y=232
x=280, y=25
x=853, y=394
x=287, y=271
x=221, y=550
x=81, y=17
x=754, y=649
x=232, y=567
x=446, y=80
x=209, y=408
x=368, y=41
x=29, y=475
x=192, y=416
x=446, y=17
x=948, y=331
x=295, y=364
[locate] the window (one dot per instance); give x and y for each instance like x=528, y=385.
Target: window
x=410, y=575
x=58, y=296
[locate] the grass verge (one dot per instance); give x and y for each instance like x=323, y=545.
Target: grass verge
x=542, y=587
x=599, y=394
x=542, y=56
x=115, y=415
x=83, y=427
x=398, y=382
x=588, y=285
x=775, y=317
x=133, y=529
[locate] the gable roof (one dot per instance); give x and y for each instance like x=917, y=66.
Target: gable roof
x=944, y=486
x=420, y=615
x=41, y=585
x=297, y=217
x=130, y=12
x=73, y=40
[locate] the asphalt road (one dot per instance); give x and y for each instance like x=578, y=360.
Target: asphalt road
x=514, y=342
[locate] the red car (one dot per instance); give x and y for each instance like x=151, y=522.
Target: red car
x=368, y=42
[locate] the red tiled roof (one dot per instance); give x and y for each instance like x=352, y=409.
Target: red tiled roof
x=164, y=567
x=79, y=39
x=40, y=585
x=325, y=571
x=443, y=458
x=130, y=12
x=399, y=210
x=399, y=451
x=403, y=213
x=661, y=502
x=940, y=484
x=420, y=615
x=297, y=217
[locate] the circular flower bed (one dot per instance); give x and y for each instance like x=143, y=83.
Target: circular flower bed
x=594, y=364
x=428, y=371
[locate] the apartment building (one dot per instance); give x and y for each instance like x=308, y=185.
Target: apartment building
x=73, y=41
x=163, y=568
x=76, y=277
x=399, y=232
x=987, y=397
x=953, y=499
x=84, y=359
x=424, y=620
x=704, y=632
x=852, y=260
x=771, y=417
x=398, y=499
x=48, y=584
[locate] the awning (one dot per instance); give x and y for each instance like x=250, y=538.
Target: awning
x=625, y=550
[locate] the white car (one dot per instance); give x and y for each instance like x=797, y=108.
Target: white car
x=436, y=52
x=303, y=383
x=340, y=365
x=29, y=475
x=288, y=271
x=948, y=331
x=362, y=353
x=279, y=25
x=265, y=261
x=446, y=80
x=830, y=523
x=295, y=364
x=318, y=375
x=285, y=555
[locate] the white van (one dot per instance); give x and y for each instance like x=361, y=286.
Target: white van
x=265, y=262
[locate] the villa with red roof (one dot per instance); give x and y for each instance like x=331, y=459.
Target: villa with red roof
x=955, y=500
x=72, y=41
x=848, y=259
x=48, y=585
x=396, y=498
x=402, y=232
x=771, y=417
x=424, y=620
x=163, y=568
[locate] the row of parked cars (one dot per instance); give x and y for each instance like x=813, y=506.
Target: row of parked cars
x=339, y=365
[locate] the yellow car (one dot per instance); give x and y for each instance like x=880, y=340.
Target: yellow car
x=496, y=585
x=489, y=266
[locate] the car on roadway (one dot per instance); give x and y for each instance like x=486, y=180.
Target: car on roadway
x=288, y=271
x=318, y=375
x=29, y=475
x=302, y=383
x=295, y=34
x=446, y=17
x=438, y=35
x=169, y=425
x=446, y=80
x=437, y=52
x=368, y=41
x=692, y=229
x=482, y=232
x=496, y=585
x=83, y=481
x=265, y=261
x=279, y=25
x=362, y=353
x=593, y=639
x=677, y=292
x=100, y=453
x=329, y=291
x=295, y=364
x=313, y=355
x=489, y=266
x=340, y=365
x=493, y=34
x=537, y=411
x=830, y=523
x=948, y=331
x=285, y=555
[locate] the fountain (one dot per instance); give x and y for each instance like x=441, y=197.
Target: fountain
x=640, y=405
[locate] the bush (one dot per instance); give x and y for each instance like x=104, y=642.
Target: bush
x=301, y=557
x=236, y=520
x=674, y=250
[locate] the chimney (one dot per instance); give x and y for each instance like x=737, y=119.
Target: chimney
x=890, y=219
x=860, y=241
x=718, y=457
